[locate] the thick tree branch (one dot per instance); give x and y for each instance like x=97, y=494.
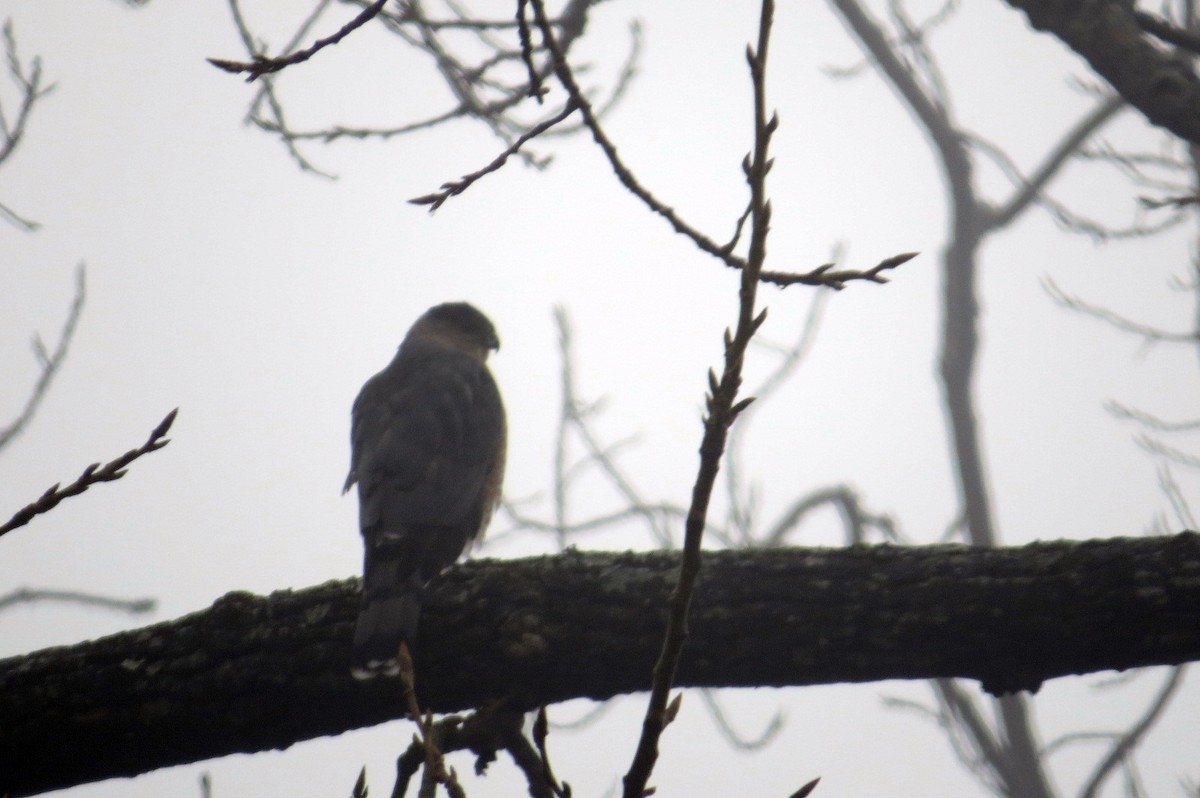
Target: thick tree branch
x=1107, y=33
x=255, y=673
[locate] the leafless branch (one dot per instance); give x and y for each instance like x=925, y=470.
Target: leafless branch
x=1076, y=738
x=1014, y=768
x=426, y=741
x=1171, y=453
x=468, y=75
x=897, y=43
x=91, y=475
x=974, y=741
x=1163, y=171
x=764, y=738
x=723, y=405
x=857, y=521
x=1151, y=335
x=266, y=94
x=827, y=277
x=570, y=531
x=620, y=87
x=1149, y=421
x=435, y=200
x=573, y=418
x=262, y=65
x=50, y=363
x=1122, y=750
x=17, y=220
x=741, y=502
x=484, y=733
x=1178, y=203
x=28, y=80
x=1029, y=190
x=1179, y=504
x=25, y=595
x=922, y=64
x=566, y=77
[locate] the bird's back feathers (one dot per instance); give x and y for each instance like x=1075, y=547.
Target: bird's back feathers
x=427, y=454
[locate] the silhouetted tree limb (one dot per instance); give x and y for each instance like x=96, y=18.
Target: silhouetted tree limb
x=1108, y=34
x=255, y=673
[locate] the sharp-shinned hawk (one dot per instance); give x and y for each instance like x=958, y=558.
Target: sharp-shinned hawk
x=427, y=451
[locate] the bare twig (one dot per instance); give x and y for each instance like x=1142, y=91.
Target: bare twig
x=1124, y=747
x=29, y=82
x=1030, y=190
x=764, y=738
x=535, y=78
x=1154, y=203
x=624, y=175
x=477, y=82
x=856, y=520
x=266, y=93
x=1148, y=333
x=49, y=362
x=262, y=66
x=574, y=417
x=484, y=733
x=1149, y=421
x=435, y=200
x=564, y=531
x=1170, y=453
x=91, y=475
x=1179, y=504
x=827, y=277
x=741, y=502
x=974, y=742
x=435, y=764
x=25, y=595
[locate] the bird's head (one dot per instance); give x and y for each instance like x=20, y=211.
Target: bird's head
x=460, y=326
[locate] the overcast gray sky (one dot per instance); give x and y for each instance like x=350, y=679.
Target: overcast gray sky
x=257, y=299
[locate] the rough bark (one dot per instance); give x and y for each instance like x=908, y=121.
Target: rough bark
x=255, y=673
x=1107, y=34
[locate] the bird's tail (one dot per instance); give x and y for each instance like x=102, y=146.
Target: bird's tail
x=391, y=605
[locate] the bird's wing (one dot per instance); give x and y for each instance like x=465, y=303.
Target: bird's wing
x=426, y=432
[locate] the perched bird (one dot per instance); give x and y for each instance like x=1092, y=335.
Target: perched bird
x=427, y=447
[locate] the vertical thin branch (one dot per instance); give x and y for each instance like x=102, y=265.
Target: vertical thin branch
x=12, y=131
x=722, y=411
x=50, y=362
